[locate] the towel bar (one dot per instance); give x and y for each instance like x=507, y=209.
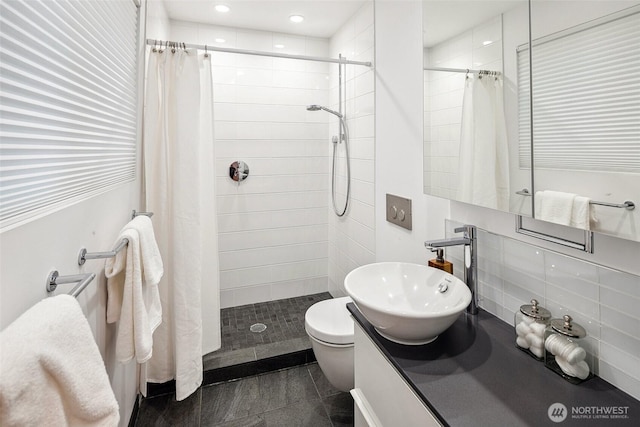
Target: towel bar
x=628, y=204
x=83, y=255
x=83, y=280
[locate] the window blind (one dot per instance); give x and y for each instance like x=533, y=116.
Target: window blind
x=586, y=97
x=68, y=103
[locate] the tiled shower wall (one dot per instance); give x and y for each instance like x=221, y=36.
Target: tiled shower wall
x=352, y=237
x=272, y=228
x=443, y=100
x=278, y=235
x=603, y=300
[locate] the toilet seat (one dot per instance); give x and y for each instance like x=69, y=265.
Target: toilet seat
x=329, y=321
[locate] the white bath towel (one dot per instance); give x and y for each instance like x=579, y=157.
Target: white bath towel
x=51, y=371
x=581, y=214
x=554, y=206
x=132, y=291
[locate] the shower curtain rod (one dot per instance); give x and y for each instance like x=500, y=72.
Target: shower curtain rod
x=206, y=48
x=464, y=70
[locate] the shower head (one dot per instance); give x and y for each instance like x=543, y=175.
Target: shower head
x=315, y=107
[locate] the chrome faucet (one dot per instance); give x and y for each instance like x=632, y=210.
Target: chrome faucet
x=468, y=239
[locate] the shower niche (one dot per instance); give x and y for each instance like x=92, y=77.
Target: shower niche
x=564, y=118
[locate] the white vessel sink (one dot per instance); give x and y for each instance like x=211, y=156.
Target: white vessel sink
x=407, y=303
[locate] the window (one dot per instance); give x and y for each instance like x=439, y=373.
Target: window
x=68, y=103
x=586, y=97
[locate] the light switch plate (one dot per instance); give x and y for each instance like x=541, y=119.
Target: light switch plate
x=399, y=211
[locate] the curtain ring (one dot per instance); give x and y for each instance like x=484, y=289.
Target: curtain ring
x=206, y=52
x=173, y=47
x=155, y=43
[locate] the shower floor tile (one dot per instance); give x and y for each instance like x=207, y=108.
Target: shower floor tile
x=284, y=320
x=285, y=332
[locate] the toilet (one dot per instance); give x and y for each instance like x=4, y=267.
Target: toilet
x=330, y=328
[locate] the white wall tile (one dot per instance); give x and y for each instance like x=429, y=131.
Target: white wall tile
x=630, y=364
x=251, y=294
x=289, y=289
x=254, y=40
x=316, y=285
x=620, y=302
x=602, y=300
x=226, y=298
x=274, y=234
x=627, y=343
x=573, y=280
x=620, y=378
x=619, y=281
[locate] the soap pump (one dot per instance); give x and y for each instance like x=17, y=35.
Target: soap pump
x=440, y=262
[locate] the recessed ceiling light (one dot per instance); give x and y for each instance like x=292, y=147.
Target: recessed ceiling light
x=296, y=18
x=220, y=40
x=278, y=46
x=222, y=8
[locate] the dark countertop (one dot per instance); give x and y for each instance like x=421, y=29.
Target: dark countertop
x=473, y=375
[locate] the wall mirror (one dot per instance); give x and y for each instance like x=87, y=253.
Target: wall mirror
x=471, y=118
x=585, y=63
x=559, y=126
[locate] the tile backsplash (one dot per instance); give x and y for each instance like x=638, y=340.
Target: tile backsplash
x=604, y=301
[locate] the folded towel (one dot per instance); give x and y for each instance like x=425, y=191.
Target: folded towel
x=564, y=208
x=51, y=371
x=132, y=291
x=556, y=207
x=581, y=213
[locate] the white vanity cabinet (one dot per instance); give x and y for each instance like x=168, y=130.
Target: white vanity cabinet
x=381, y=396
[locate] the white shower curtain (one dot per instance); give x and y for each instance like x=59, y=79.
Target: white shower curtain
x=484, y=157
x=179, y=189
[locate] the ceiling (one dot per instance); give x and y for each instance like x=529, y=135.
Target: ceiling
x=444, y=19
x=323, y=18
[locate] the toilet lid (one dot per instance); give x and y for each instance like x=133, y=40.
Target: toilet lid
x=330, y=321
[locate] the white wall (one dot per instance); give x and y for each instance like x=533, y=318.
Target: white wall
x=352, y=237
x=399, y=95
x=399, y=99
x=29, y=252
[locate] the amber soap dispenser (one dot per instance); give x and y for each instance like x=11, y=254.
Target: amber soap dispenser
x=440, y=262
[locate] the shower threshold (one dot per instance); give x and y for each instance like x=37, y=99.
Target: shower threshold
x=282, y=344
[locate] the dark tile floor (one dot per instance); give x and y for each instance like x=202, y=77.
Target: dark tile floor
x=299, y=396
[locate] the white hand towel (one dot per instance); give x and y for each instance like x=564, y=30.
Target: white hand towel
x=581, y=213
x=556, y=206
x=51, y=371
x=132, y=291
